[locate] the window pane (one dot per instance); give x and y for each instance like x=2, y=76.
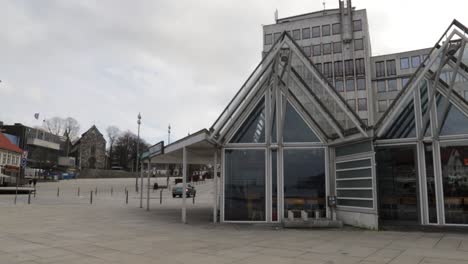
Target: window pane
x=354, y=184
x=392, y=85
x=319, y=67
x=336, y=29
x=295, y=128
x=358, y=44
x=349, y=174
x=244, y=188
x=304, y=181
x=268, y=39
x=357, y=25
x=253, y=128
x=352, y=103
x=456, y=123
x=350, y=85
x=338, y=69
x=415, y=61
x=337, y=48
x=274, y=186
x=277, y=36
x=431, y=196
x=349, y=67
x=355, y=163
x=404, y=63
x=391, y=68
x=327, y=48
x=326, y=30
x=296, y=34
x=362, y=104
x=339, y=85
x=307, y=51
x=306, y=33
x=328, y=70
x=404, y=81
x=382, y=105
x=316, y=32
x=454, y=161
x=316, y=50
x=355, y=203
x=381, y=86
x=360, y=67
x=379, y=69
x=355, y=193
x=361, y=84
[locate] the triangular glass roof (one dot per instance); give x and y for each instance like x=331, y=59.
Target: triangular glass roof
x=287, y=68
x=253, y=128
x=295, y=128
x=443, y=72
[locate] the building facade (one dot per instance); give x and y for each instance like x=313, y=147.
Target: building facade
x=90, y=150
x=10, y=161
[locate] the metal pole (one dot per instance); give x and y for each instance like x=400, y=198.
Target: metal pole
x=58, y=191
x=112, y=190
x=29, y=197
x=95, y=192
x=126, y=196
x=91, y=198
x=78, y=191
x=17, y=182
x=138, y=152
x=149, y=186
x=141, y=186
x=215, y=185
x=160, y=196
x=184, y=184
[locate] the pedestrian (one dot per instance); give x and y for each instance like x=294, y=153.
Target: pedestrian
x=34, y=182
x=155, y=186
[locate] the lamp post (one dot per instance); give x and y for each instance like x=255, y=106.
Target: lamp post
x=138, y=152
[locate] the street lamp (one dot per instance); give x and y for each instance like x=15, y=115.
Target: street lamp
x=138, y=152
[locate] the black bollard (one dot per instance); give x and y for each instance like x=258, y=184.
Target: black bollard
x=29, y=197
x=91, y=198
x=160, y=196
x=95, y=192
x=58, y=191
x=112, y=190
x=193, y=199
x=34, y=192
x=78, y=191
x=126, y=196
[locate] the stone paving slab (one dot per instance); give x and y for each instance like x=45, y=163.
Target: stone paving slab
x=67, y=229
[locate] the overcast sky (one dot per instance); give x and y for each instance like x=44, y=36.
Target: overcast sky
x=177, y=62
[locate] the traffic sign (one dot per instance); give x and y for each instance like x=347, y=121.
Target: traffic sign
x=24, y=162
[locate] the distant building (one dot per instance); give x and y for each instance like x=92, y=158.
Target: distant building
x=10, y=160
x=90, y=150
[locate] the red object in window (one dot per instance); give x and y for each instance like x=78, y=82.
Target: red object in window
x=465, y=161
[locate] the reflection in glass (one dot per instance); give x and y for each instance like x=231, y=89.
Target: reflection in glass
x=304, y=181
x=455, y=123
x=253, y=129
x=397, y=184
x=244, y=188
x=295, y=129
x=274, y=186
x=404, y=126
x=431, y=196
x=454, y=161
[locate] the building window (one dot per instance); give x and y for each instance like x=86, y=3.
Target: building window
x=382, y=105
x=361, y=84
x=404, y=63
x=360, y=67
x=381, y=86
x=415, y=61
x=307, y=51
x=316, y=50
x=352, y=103
x=336, y=29
x=327, y=70
x=380, y=69
x=362, y=104
x=392, y=85
x=391, y=68
x=350, y=85
x=296, y=34
x=277, y=36
x=316, y=32
x=339, y=85
x=326, y=48
x=326, y=30
x=424, y=57
x=337, y=48
x=365, y=121
x=358, y=44
x=268, y=39
x=306, y=33
x=404, y=81
x=319, y=67
x=349, y=68
x=338, y=69
x=357, y=25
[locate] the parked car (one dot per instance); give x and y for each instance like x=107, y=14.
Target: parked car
x=177, y=190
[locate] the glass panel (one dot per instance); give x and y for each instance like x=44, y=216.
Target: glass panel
x=304, y=181
x=355, y=193
x=405, y=125
x=244, y=189
x=353, y=164
x=397, y=184
x=274, y=186
x=273, y=128
x=295, y=129
x=354, y=184
x=455, y=123
x=355, y=203
x=454, y=161
x=431, y=192
x=355, y=148
x=253, y=128
x=362, y=173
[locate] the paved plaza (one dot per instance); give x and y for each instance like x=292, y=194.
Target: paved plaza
x=68, y=229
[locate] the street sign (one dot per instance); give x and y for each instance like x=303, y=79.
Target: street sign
x=25, y=154
x=332, y=201
x=156, y=149
x=24, y=162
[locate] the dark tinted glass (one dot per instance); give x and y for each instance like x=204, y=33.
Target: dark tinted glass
x=350, y=85
x=327, y=48
x=391, y=68
x=431, y=192
x=274, y=185
x=337, y=47
x=455, y=123
x=295, y=128
x=392, y=85
x=296, y=34
x=304, y=181
x=339, y=85
x=306, y=33
x=358, y=44
x=361, y=84
x=253, y=129
x=316, y=32
x=336, y=28
x=404, y=63
x=316, y=50
x=244, y=188
x=326, y=30
x=362, y=104
x=379, y=69
x=357, y=25
x=268, y=39
x=381, y=86
x=404, y=125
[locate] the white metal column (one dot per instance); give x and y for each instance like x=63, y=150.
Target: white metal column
x=215, y=186
x=184, y=185
x=149, y=186
x=141, y=184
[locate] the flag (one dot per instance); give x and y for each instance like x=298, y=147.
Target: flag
x=36, y=115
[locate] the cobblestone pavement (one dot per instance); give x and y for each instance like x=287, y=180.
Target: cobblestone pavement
x=68, y=229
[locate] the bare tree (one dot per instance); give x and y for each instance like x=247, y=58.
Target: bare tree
x=71, y=128
x=112, y=133
x=55, y=125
